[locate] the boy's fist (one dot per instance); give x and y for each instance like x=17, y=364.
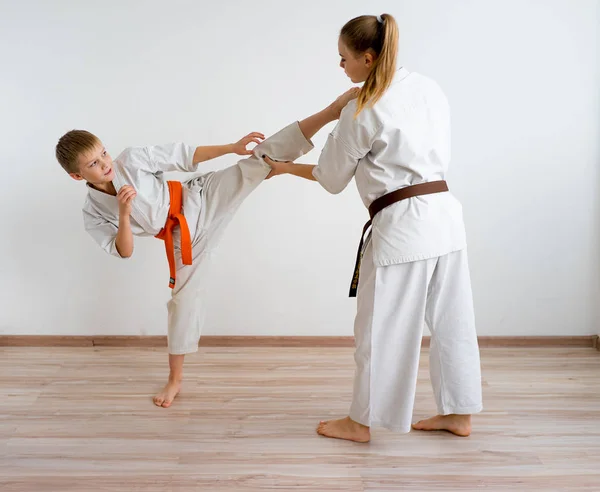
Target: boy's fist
x=125, y=197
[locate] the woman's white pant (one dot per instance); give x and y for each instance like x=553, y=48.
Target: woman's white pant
x=394, y=302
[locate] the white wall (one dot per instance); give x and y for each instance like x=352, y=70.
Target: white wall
x=596, y=318
x=522, y=79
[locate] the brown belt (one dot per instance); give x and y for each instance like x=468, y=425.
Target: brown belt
x=385, y=201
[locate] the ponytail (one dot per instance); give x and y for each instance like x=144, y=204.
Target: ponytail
x=379, y=33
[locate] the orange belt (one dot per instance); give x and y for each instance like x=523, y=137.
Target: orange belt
x=166, y=233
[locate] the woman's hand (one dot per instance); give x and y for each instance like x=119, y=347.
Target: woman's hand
x=277, y=167
x=341, y=102
x=288, y=167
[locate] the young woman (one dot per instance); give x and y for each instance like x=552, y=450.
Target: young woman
x=394, y=139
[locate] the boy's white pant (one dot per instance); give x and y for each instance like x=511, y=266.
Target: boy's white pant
x=221, y=193
x=394, y=302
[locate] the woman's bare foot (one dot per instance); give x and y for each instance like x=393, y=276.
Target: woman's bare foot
x=168, y=394
x=345, y=429
x=456, y=424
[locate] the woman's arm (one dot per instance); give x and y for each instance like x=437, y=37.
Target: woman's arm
x=309, y=127
x=287, y=167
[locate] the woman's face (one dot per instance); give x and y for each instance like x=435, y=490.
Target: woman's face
x=357, y=66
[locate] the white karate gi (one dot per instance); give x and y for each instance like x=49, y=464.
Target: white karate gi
x=209, y=202
x=414, y=269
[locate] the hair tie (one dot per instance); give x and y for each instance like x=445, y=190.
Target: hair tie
x=379, y=19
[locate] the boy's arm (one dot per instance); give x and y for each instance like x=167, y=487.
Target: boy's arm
x=124, y=238
x=103, y=232
x=115, y=240
x=183, y=157
x=206, y=153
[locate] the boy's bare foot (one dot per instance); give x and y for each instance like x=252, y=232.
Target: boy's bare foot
x=168, y=394
x=345, y=429
x=456, y=424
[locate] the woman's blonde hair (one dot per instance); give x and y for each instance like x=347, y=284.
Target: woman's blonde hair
x=368, y=32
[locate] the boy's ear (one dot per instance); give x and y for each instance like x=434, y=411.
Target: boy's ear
x=76, y=176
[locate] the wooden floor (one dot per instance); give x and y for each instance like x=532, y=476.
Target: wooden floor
x=81, y=419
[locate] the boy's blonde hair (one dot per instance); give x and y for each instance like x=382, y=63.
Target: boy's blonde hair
x=366, y=32
x=71, y=145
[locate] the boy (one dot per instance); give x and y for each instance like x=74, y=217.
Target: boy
x=128, y=197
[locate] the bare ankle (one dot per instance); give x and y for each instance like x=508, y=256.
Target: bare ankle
x=358, y=424
x=175, y=378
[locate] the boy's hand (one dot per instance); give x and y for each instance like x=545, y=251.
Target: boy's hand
x=125, y=197
x=239, y=147
x=277, y=167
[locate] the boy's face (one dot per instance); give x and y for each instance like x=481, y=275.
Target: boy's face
x=95, y=166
